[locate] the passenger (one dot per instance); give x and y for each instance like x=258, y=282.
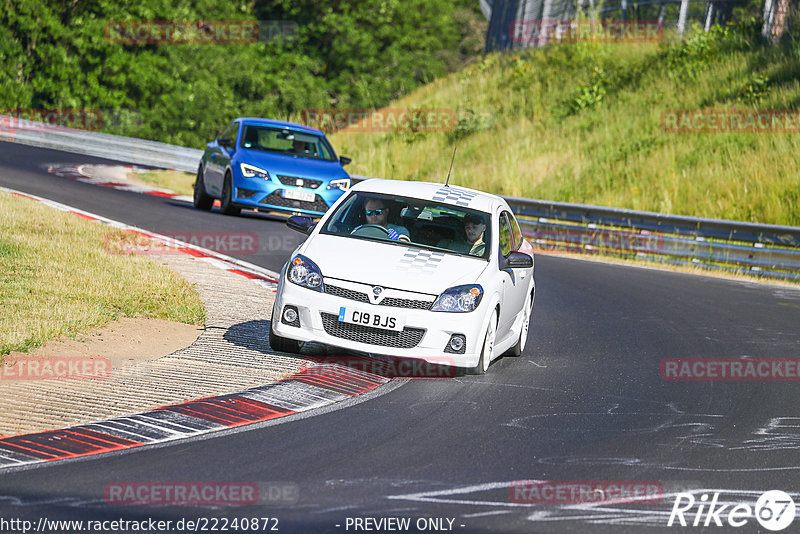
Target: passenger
x=376, y=212
x=474, y=228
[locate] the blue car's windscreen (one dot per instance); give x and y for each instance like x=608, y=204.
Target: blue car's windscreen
x=413, y=222
x=285, y=141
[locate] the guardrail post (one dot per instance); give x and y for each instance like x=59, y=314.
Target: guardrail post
x=682, y=16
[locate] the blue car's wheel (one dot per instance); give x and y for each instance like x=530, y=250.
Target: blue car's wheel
x=227, y=207
x=201, y=200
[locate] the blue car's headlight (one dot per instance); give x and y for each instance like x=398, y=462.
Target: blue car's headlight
x=459, y=299
x=248, y=171
x=305, y=272
x=343, y=184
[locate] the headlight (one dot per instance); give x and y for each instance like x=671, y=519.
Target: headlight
x=459, y=299
x=305, y=272
x=343, y=184
x=248, y=171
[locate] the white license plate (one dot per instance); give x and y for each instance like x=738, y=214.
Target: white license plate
x=371, y=318
x=296, y=194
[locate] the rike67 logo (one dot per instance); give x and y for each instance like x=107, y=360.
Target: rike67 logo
x=774, y=510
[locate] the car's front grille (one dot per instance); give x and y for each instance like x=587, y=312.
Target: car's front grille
x=407, y=339
x=407, y=303
x=346, y=293
x=388, y=301
x=303, y=182
x=276, y=199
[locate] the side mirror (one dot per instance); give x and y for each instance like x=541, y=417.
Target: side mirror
x=225, y=141
x=344, y=160
x=516, y=260
x=302, y=223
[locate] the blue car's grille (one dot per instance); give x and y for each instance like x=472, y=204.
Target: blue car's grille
x=299, y=182
x=276, y=199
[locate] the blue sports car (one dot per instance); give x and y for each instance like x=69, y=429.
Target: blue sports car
x=271, y=165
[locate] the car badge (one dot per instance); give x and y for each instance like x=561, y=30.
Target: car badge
x=299, y=182
x=377, y=295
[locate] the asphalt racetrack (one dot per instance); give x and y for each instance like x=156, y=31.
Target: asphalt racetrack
x=585, y=404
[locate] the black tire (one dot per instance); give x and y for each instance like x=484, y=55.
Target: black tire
x=201, y=200
x=487, y=351
x=227, y=207
x=517, y=349
x=281, y=344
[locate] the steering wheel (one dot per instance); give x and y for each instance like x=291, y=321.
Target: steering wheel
x=371, y=230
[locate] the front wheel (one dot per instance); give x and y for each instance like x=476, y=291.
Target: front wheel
x=517, y=349
x=201, y=200
x=226, y=204
x=282, y=344
x=488, y=348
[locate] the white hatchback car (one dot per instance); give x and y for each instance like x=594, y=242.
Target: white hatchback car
x=409, y=269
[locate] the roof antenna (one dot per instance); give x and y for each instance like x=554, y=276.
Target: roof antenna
x=447, y=183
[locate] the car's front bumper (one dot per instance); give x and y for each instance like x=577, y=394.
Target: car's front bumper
x=426, y=334
x=269, y=195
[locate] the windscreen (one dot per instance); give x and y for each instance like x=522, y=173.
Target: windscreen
x=285, y=141
x=412, y=222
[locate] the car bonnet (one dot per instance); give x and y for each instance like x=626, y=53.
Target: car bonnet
x=293, y=165
x=391, y=265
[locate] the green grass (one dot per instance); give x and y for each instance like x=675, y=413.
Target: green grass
x=175, y=181
x=582, y=123
x=58, y=278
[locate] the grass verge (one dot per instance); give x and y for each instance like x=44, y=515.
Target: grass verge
x=176, y=181
x=57, y=278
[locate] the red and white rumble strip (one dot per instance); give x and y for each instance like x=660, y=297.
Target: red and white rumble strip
x=310, y=388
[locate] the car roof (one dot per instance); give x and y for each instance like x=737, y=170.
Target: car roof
x=273, y=123
x=451, y=194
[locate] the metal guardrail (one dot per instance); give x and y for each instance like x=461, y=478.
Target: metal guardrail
x=761, y=249
x=767, y=250
x=101, y=145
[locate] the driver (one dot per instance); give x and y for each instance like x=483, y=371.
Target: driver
x=376, y=212
x=299, y=147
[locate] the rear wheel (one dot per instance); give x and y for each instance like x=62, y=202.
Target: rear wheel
x=201, y=200
x=227, y=207
x=488, y=348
